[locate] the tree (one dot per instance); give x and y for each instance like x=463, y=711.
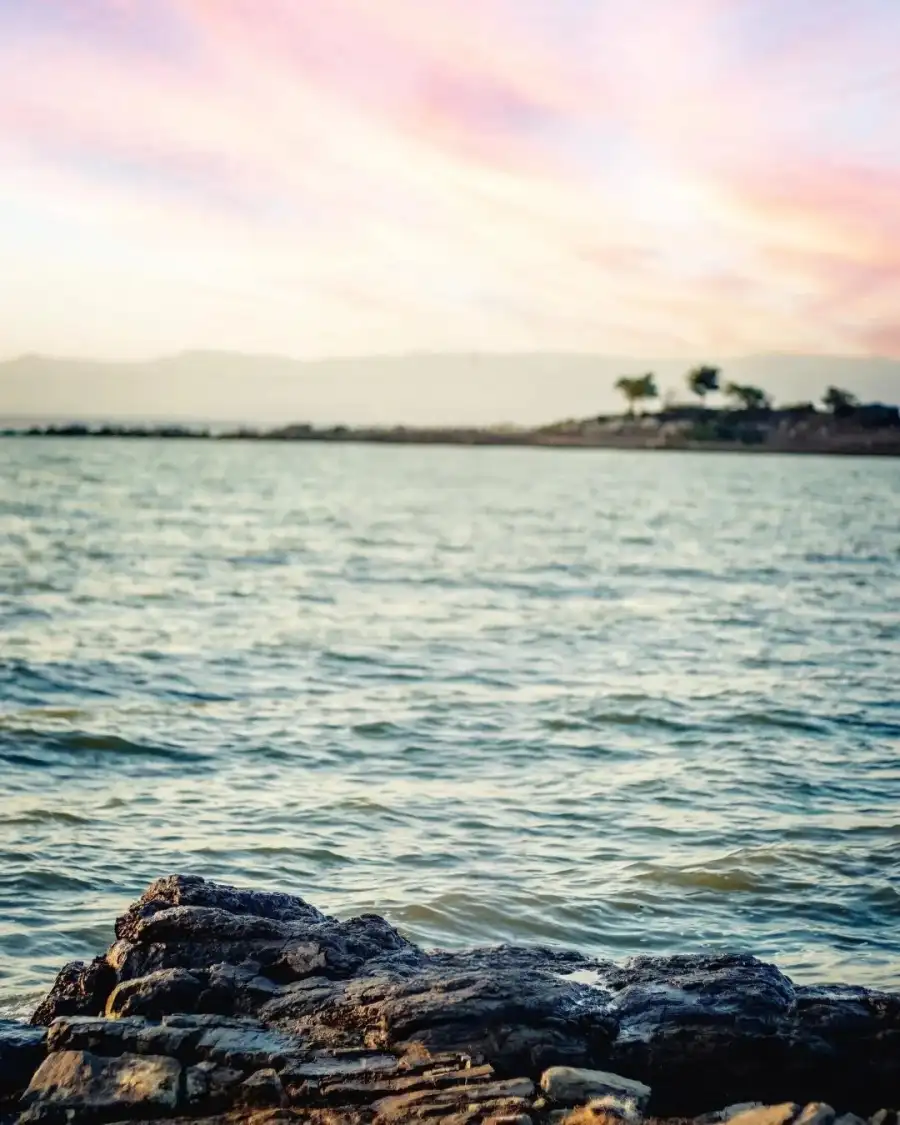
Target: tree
x=749, y=398
x=701, y=380
x=636, y=388
x=839, y=402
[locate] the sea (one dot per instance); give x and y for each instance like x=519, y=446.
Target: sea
x=626, y=702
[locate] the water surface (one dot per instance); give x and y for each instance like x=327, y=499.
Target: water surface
x=628, y=702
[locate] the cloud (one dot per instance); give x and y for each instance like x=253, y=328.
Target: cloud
x=356, y=177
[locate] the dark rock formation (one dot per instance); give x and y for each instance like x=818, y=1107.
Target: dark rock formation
x=79, y=988
x=255, y=1005
x=240, y=906
x=22, y=1050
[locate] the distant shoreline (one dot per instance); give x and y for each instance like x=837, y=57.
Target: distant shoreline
x=631, y=435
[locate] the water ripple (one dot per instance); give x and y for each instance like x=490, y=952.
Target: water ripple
x=621, y=702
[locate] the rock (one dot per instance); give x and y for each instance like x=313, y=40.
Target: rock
x=709, y=1030
x=850, y=1119
x=169, y=990
x=205, y=924
x=843, y=1046
x=191, y=890
x=210, y=1087
x=196, y=1083
x=244, y=1044
x=79, y=989
x=132, y=960
x=246, y=1047
x=520, y=1021
x=336, y=1068
x=694, y=1027
x=263, y=1088
x=884, y=1117
x=239, y=988
x=341, y=949
x=714, y=987
x=567, y=1085
x=195, y=939
x=815, y=1113
x=356, y=1021
x=767, y=1115
x=444, y=1102
x=371, y=1088
x=22, y=1050
x=718, y=1116
x=132, y=1034
x=76, y=1085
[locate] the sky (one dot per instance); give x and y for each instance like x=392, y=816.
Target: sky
x=672, y=177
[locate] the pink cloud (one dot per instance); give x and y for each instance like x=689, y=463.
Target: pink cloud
x=880, y=338
x=597, y=175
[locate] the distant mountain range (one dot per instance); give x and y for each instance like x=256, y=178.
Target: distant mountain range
x=414, y=389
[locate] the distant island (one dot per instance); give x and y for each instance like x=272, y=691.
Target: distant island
x=745, y=418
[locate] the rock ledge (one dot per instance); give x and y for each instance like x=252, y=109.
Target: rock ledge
x=239, y=1005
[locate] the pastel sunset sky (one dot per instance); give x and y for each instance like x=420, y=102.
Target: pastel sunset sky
x=322, y=177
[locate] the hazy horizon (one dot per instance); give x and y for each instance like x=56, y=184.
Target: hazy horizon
x=423, y=389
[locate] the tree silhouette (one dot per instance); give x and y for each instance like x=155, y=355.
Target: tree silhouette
x=702, y=380
x=636, y=388
x=840, y=402
x=750, y=398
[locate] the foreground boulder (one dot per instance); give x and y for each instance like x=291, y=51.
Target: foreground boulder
x=76, y=1083
x=216, y=1001
x=568, y=1085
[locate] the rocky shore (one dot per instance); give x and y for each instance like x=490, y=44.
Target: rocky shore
x=240, y=1005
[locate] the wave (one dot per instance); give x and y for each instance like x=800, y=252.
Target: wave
x=35, y=748
x=611, y=700
x=598, y=719
x=39, y=816
x=19, y=1008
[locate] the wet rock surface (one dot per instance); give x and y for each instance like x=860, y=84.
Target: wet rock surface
x=222, y=1004
x=77, y=1084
